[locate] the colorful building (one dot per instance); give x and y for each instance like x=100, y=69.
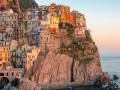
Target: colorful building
x=79, y=33
x=43, y=8
x=72, y=19
x=9, y=17
x=3, y=35
x=5, y=55
x=63, y=9
x=29, y=56
x=20, y=48
x=54, y=21
x=82, y=20
x=63, y=18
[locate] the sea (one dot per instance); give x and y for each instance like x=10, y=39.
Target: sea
x=112, y=66
x=109, y=64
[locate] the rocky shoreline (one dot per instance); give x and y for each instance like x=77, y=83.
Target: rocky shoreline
x=64, y=85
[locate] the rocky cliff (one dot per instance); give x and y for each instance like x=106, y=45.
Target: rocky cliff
x=18, y=6
x=77, y=62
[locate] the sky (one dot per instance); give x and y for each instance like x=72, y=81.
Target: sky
x=102, y=18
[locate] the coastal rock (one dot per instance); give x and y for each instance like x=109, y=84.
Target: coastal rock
x=55, y=69
x=105, y=78
x=60, y=68
x=87, y=73
x=115, y=77
x=74, y=62
x=26, y=84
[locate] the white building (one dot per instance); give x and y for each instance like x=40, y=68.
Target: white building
x=79, y=33
x=4, y=36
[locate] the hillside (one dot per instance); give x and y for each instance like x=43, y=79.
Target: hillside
x=19, y=5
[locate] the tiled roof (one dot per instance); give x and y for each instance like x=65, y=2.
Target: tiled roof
x=20, y=45
x=2, y=31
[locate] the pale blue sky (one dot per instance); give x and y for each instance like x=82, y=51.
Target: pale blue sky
x=103, y=19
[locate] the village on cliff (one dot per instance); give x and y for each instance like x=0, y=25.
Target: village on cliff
x=24, y=35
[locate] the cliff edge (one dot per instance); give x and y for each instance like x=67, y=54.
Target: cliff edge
x=75, y=61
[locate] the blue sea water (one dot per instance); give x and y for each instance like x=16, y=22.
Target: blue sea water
x=112, y=66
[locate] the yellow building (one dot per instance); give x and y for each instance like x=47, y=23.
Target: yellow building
x=6, y=48
x=54, y=21
x=5, y=56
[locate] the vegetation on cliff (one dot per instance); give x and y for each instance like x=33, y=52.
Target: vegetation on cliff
x=82, y=51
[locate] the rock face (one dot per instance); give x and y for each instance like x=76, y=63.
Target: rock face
x=55, y=69
x=27, y=4
x=76, y=62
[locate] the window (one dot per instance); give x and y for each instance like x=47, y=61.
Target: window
x=47, y=38
x=12, y=74
x=5, y=59
x=7, y=74
x=5, y=54
x=33, y=56
x=1, y=74
x=29, y=56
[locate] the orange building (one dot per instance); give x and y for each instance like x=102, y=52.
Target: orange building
x=68, y=18
x=64, y=9
x=63, y=18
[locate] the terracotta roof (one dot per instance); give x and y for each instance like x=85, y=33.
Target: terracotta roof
x=8, y=63
x=2, y=31
x=1, y=4
x=20, y=45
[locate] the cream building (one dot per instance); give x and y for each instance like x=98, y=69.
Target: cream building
x=29, y=56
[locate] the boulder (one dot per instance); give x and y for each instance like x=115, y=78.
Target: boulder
x=115, y=77
x=105, y=78
x=26, y=84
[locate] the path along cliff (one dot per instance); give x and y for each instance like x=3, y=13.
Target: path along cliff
x=72, y=62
